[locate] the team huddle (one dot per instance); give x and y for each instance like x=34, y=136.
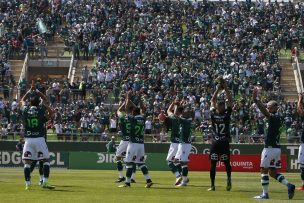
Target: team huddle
x=131, y=149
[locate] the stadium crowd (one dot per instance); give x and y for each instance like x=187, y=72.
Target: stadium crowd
x=161, y=50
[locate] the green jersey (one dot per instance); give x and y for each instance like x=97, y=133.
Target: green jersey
x=175, y=129
x=137, y=129
x=34, y=121
x=273, y=131
x=125, y=127
x=185, y=130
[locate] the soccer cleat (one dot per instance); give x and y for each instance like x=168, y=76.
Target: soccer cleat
x=119, y=180
x=28, y=187
x=178, y=181
x=48, y=186
x=40, y=182
x=291, y=189
x=148, y=184
x=262, y=196
x=229, y=186
x=300, y=188
x=133, y=181
x=125, y=185
x=182, y=184
x=212, y=188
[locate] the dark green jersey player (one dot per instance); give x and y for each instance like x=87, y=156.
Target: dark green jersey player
x=137, y=129
x=174, y=122
x=174, y=111
x=273, y=131
x=125, y=126
x=270, y=158
x=35, y=115
x=34, y=121
x=185, y=130
x=136, y=150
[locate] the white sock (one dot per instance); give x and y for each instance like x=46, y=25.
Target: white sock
x=285, y=182
x=133, y=176
x=27, y=183
x=41, y=178
x=185, y=179
x=45, y=180
x=120, y=174
x=147, y=176
x=265, y=189
x=128, y=180
x=177, y=174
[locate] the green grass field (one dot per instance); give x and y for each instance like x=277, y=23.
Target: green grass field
x=98, y=186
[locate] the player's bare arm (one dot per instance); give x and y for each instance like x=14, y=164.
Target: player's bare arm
x=121, y=108
x=27, y=94
x=228, y=94
x=170, y=110
x=142, y=104
x=214, y=97
x=259, y=104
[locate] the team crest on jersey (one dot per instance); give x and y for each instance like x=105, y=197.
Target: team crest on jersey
x=27, y=154
x=40, y=154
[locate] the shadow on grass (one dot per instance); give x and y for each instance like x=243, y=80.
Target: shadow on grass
x=68, y=186
x=62, y=190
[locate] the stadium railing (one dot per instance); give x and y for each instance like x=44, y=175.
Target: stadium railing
x=298, y=75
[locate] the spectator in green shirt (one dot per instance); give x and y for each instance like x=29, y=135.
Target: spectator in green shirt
x=111, y=148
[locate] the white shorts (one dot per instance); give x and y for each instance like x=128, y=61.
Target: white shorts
x=122, y=149
x=172, y=151
x=271, y=157
x=301, y=154
x=183, y=152
x=35, y=149
x=135, y=153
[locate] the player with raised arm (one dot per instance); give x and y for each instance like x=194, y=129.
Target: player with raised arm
x=184, y=146
x=136, y=149
x=301, y=149
x=174, y=111
x=220, y=117
x=271, y=155
x=125, y=128
x=35, y=116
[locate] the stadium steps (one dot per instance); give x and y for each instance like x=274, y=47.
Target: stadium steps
x=16, y=67
x=80, y=65
x=288, y=83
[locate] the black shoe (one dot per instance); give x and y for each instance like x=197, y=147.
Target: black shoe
x=229, y=185
x=212, y=188
x=291, y=189
x=125, y=185
x=119, y=180
x=133, y=181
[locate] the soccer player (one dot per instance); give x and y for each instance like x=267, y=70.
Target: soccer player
x=301, y=149
x=35, y=116
x=270, y=158
x=136, y=149
x=184, y=146
x=220, y=117
x=125, y=128
x=174, y=111
x=19, y=148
